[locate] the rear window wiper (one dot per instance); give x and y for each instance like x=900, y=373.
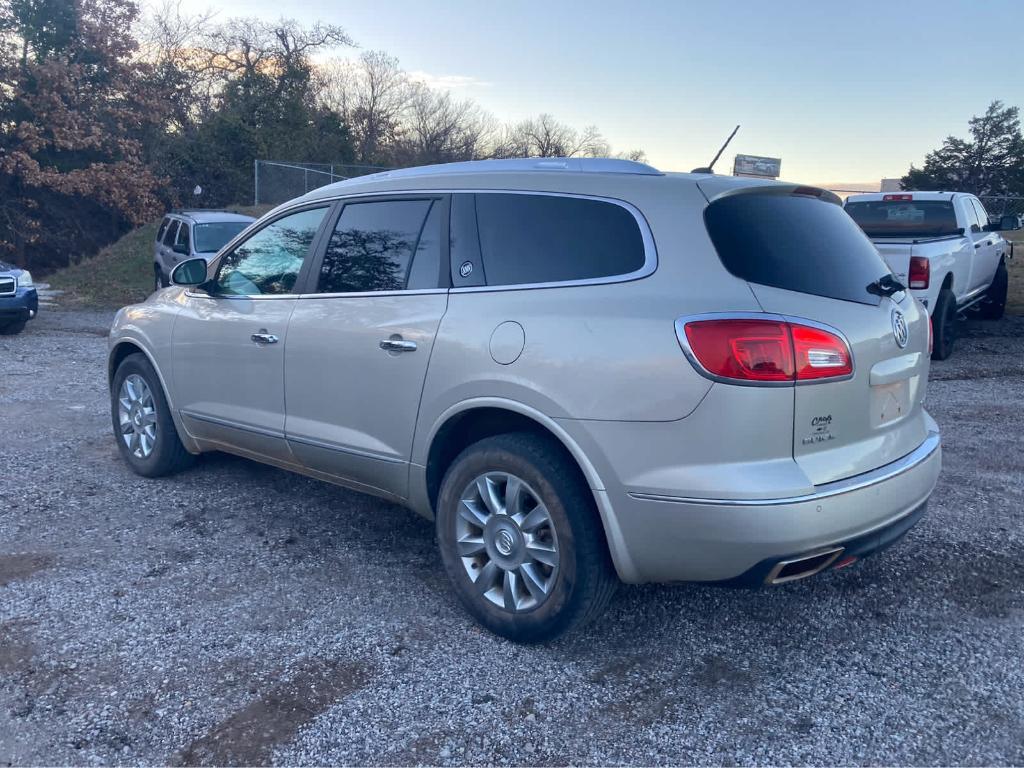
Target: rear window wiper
x=886, y=285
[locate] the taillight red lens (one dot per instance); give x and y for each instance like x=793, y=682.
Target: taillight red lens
x=767, y=350
x=752, y=350
x=920, y=272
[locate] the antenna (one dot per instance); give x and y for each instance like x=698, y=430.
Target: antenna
x=711, y=165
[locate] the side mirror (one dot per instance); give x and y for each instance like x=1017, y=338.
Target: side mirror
x=189, y=272
x=180, y=248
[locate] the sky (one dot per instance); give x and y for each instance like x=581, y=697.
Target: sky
x=845, y=93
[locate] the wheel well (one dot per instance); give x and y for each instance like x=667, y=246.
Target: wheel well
x=121, y=351
x=464, y=429
x=948, y=282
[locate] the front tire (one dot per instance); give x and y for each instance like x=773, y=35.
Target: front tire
x=521, y=539
x=12, y=329
x=143, y=426
x=944, y=325
x=994, y=306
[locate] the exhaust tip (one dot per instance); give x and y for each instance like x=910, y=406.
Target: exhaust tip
x=803, y=567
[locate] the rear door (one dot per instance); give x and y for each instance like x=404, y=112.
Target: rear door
x=360, y=339
x=804, y=258
x=986, y=248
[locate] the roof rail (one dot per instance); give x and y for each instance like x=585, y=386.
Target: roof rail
x=556, y=164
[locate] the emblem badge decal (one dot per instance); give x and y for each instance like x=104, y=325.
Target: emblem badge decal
x=900, y=331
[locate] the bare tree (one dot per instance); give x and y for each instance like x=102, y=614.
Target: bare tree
x=544, y=136
x=441, y=129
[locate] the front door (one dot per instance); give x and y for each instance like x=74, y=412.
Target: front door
x=229, y=341
x=358, y=347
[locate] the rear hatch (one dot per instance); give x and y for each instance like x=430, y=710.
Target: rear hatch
x=805, y=259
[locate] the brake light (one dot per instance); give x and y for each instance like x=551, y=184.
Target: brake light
x=897, y=198
x=920, y=272
x=767, y=350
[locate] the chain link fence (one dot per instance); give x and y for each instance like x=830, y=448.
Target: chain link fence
x=277, y=182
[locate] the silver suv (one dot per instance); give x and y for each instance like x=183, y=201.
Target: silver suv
x=586, y=371
x=187, y=234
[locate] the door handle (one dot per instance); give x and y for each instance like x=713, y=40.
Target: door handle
x=397, y=345
x=977, y=246
x=263, y=337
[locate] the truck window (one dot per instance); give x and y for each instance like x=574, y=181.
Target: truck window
x=904, y=218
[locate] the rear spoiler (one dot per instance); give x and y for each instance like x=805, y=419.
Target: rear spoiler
x=707, y=188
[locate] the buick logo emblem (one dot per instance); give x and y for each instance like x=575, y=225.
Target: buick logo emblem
x=899, y=329
x=504, y=542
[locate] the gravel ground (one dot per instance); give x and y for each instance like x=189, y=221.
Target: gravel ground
x=237, y=614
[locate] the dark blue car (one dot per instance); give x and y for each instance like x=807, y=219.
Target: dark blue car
x=19, y=301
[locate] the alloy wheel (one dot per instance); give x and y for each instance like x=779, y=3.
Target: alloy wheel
x=506, y=541
x=136, y=415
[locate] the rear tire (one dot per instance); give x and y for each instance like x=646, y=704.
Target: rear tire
x=499, y=557
x=143, y=427
x=12, y=329
x=994, y=305
x=944, y=325
x=158, y=278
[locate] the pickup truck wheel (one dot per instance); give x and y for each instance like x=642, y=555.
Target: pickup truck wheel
x=143, y=426
x=944, y=325
x=12, y=329
x=994, y=305
x=521, y=540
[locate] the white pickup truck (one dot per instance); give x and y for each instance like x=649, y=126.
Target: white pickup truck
x=942, y=247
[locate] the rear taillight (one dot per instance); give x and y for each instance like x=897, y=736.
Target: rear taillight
x=819, y=354
x=765, y=351
x=920, y=272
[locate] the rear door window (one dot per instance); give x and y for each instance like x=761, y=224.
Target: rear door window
x=163, y=228
x=529, y=239
x=385, y=245
x=795, y=242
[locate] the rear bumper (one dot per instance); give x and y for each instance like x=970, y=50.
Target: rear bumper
x=23, y=305
x=662, y=538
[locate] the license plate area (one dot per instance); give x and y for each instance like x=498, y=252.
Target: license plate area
x=890, y=402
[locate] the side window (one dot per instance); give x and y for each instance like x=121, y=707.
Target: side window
x=973, y=222
x=183, y=238
x=269, y=261
x=374, y=244
x=549, y=238
x=163, y=228
x=982, y=213
x=170, y=232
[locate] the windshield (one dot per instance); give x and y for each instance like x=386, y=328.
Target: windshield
x=210, y=238
x=904, y=218
x=794, y=242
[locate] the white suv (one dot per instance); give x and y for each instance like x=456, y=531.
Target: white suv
x=586, y=371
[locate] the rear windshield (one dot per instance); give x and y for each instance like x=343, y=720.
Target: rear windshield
x=794, y=242
x=210, y=238
x=903, y=218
